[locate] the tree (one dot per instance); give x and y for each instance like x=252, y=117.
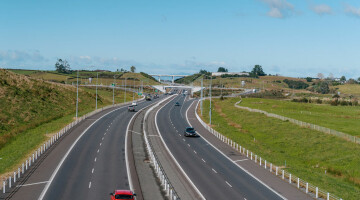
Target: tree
x=322, y=87
x=342, y=79
x=133, y=69
x=222, y=69
x=257, y=71
x=320, y=76
x=308, y=79
x=358, y=79
x=62, y=66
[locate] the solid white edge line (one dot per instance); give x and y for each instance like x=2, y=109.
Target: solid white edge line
x=126, y=154
x=68, y=152
x=268, y=187
x=30, y=184
x=172, y=156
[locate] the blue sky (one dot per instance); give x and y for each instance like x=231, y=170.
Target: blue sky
x=289, y=37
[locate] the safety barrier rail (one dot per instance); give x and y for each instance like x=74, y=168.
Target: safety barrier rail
x=278, y=171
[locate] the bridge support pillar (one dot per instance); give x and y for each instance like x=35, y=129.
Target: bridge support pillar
x=173, y=79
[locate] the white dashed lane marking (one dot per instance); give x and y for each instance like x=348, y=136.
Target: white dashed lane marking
x=203, y=160
x=195, y=152
x=228, y=184
x=92, y=171
x=214, y=170
x=95, y=160
x=89, y=184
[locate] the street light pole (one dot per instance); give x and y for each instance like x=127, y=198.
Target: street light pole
x=97, y=78
x=77, y=93
x=125, y=92
x=114, y=91
x=210, y=100
x=201, y=101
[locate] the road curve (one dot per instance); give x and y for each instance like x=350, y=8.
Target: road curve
x=215, y=176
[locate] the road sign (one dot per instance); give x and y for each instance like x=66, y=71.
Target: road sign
x=156, y=90
x=139, y=93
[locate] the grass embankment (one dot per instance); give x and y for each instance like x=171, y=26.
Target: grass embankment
x=263, y=82
x=307, y=153
x=30, y=109
x=104, y=78
x=349, y=89
x=341, y=118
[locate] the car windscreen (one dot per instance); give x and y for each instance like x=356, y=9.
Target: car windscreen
x=123, y=196
x=191, y=130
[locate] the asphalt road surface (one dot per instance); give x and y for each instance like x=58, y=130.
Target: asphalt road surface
x=93, y=168
x=214, y=175
x=96, y=166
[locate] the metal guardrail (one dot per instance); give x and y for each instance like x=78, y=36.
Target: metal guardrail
x=278, y=171
x=159, y=170
x=11, y=181
x=345, y=136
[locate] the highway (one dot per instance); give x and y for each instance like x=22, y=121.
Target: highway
x=90, y=165
x=213, y=174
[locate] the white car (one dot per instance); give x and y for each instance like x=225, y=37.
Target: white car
x=134, y=103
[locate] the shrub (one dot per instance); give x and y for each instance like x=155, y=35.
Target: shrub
x=296, y=84
x=334, y=102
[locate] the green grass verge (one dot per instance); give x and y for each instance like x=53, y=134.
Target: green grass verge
x=341, y=118
x=32, y=108
x=307, y=153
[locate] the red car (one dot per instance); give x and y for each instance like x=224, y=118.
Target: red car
x=122, y=194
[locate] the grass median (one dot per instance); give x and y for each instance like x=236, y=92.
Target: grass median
x=323, y=160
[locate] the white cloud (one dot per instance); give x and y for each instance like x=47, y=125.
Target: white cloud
x=18, y=59
x=352, y=10
x=322, y=9
x=279, y=8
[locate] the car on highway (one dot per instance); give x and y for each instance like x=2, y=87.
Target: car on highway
x=122, y=194
x=177, y=104
x=131, y=108
x=148, y=98
x=134, y=103
x=190, y=132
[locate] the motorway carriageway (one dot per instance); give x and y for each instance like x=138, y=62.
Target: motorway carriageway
x=213, y=174
x=93, y=168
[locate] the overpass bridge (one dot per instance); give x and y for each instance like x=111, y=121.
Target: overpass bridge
x=167, y=75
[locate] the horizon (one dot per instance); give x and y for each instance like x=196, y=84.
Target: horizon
x=286, y=37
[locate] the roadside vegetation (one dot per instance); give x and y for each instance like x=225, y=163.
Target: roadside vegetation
x=32, y=109
x=341, y=118
x=104, y=77
x=326, y=161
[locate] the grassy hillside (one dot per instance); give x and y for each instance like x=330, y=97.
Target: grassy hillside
x=349, y=89
x=340, y=118
x=104, y=78
x=30, y=109
x=263, y=82
x=188, y=79
x=323, y=160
